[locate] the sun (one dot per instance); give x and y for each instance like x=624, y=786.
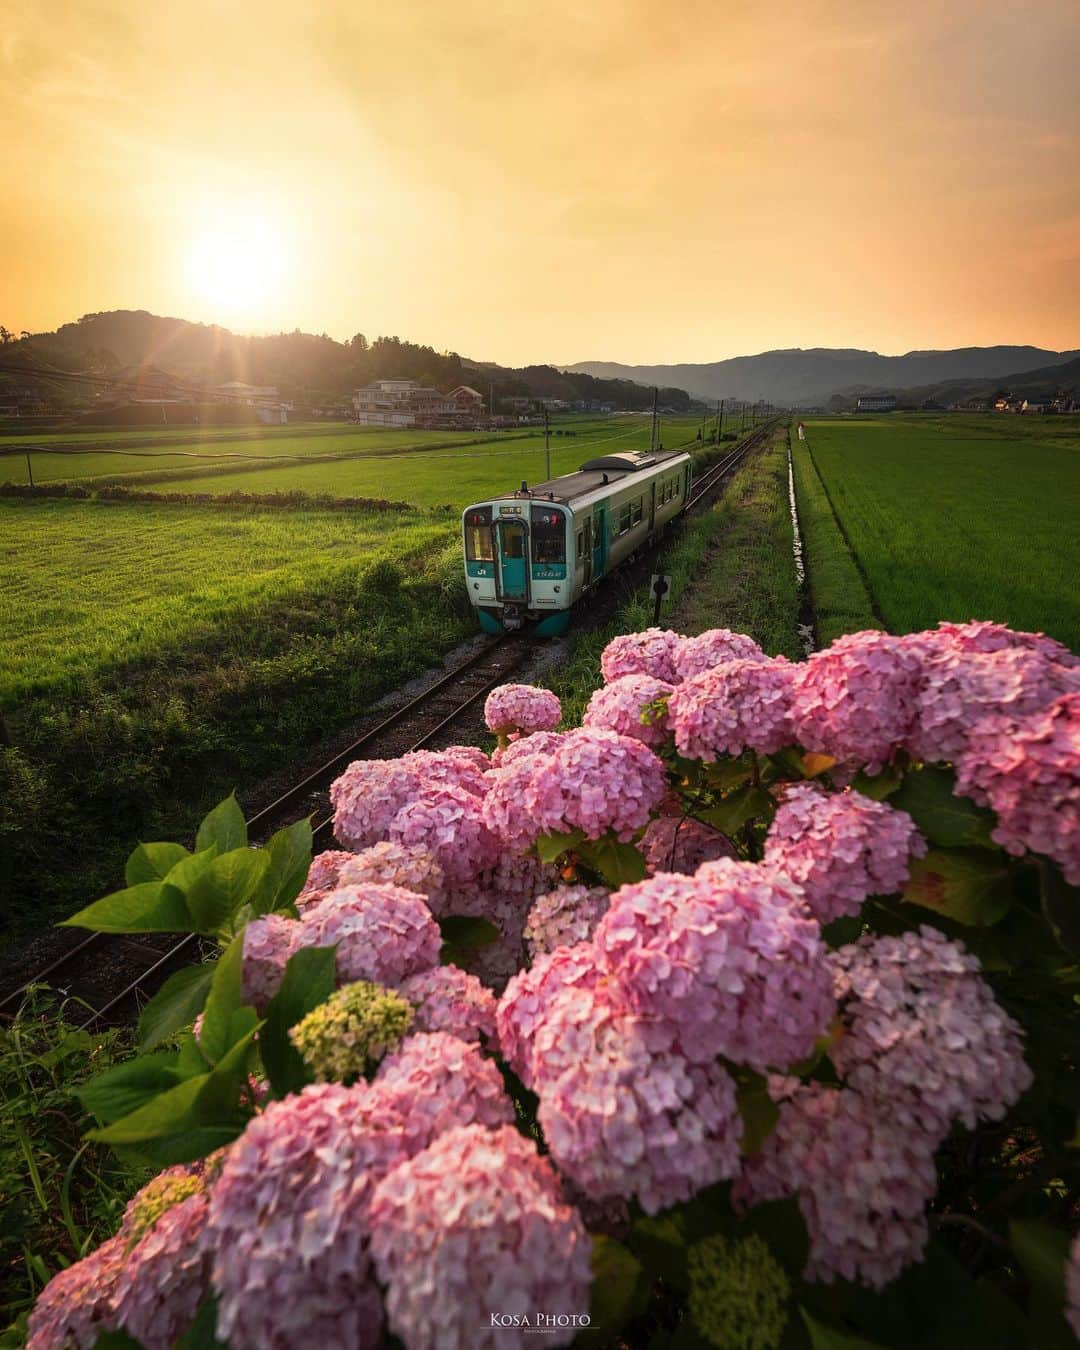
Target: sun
x=238, y=264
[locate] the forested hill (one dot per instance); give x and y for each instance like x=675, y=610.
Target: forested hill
x=305, y=367
x=798, y=376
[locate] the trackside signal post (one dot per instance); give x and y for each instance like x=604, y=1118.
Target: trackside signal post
x=661, y=584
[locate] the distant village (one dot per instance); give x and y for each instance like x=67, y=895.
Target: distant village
x=1004, y=402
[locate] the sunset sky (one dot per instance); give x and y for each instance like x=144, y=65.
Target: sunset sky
x=635, y=180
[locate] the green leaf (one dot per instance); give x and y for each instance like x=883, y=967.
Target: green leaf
x=759, y=1112
x=219, y=890
x=224, y=999
x=175, y=1005
x=1043, y=1252
x=929, y=797
x=728, y=773
x=181, y=877
x=151, y=862
x=965, y=884
x=781, y=1225
x=738, y=807
x=308, y=981
x=145, y=908
x=290, y=861
x=661, y=1244
x=223, y=827
x=126, y=1087
x=116, y=1340
x=550, y=847
x=616, y=1272
x=1060, y=906
x=619, y=864
x=467, y=931
x=879, y=785
x=828, y=1338
x=201, y=1335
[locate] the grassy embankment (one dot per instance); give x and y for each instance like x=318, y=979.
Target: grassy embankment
x=958, y=518
x=731, y=566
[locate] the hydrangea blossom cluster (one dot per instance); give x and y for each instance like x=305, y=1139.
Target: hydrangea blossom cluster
x=619, y=706
x=682, y=844
x=268, y=943
x=474, y=1224
x=160, y=1193
x=322, y=876
x=166, y=1277
x=738, y=1293
x=863, y=1176
x=564, y=917
x=521, y=707
x=344, y=1038
x=922, y=1027
x=451, y=1000
x=857, y=699
x=518, y=747
x=411, y=866
x=739, y=705
x=728, y=955
x=1028, y=772
x=651, y=652
x=981, y=636
x=77, y=1305
x=370, y=793
x=449, y=822
x=595, y=781
x=522, y=1013
x=382, y=933
x=693, y=655
x=841, y=848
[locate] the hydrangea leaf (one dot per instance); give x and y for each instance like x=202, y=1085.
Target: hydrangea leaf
x=929, y=797
x=738, y=807
x=828, y=1338
x=616, y=1274
x=152, y=862
x=224, y=827
x=619, y=864
x=661, y=1244
x=759, y=1112
x=878, y=786
x=1060, y=906
x=307, y=982
x=550, y=847
x=289, y=853
x=221, y=1028
x=968, y=885
x=150, y=907
x=123, y=1089
x=175, y=1005
x=1043, y=1253
x=201, y=1335
x=219, y=889
x=468, y=931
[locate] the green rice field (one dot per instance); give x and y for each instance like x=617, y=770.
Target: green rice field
x=954, y=517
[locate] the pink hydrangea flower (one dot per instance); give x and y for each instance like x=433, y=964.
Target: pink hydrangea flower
x=923, y=1028
x=322, y=876
x=857, y=699
x=628, y=1115
x=166, y=1277
x=268, y=943
x=448, y=999
x=477, y=1224
x=682, y=844
x=980, y=636
x=618, y=707
x=520, y=747
x=382, y=933
x=863, y=1177
x=651, y=652
x=527, y=1000
x=76, y=1306
x=1028, y=772
x=413, y=867
x=435, y=1082
x=564, y=917
x=739, y=705
x=841, y=848
x=729, y=956
x=595, y=781
x=288, y=1221
x=449, y=822
x=371, y=792
x=960, y=688
x=694, y=655
x=521, y=707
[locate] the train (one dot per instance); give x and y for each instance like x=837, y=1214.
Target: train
x=531, y=555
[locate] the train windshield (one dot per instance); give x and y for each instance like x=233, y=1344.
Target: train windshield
x=479, y=546
x=548, y=535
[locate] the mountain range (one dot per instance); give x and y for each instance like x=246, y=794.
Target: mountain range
x=799, y=377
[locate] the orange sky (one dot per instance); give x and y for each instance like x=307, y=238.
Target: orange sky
x=636, y=180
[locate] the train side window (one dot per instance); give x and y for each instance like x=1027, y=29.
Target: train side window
x=635, y=515
x=625, y=517
x=478, y=545
x=580, y=543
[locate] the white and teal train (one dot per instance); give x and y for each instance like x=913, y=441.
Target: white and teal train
x=531, y=555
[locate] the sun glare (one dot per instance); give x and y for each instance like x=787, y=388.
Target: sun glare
x=238, y=264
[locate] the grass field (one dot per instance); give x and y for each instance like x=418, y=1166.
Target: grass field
x=954, y=518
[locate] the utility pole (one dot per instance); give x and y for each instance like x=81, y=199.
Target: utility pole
x=720, y=422
x=29, y=470
x=547, y=443
x=652, y=434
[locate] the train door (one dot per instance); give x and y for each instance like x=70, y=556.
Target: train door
x=599, y=540
x=585, y=549
x=513, y=559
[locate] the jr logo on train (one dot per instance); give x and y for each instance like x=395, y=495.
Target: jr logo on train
x=531, y=555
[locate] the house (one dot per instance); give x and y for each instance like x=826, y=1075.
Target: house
x=236, y=391
x=876, y=403
x=467, y=399
x=1033, y=405
x=518, y=403
x=408, y=403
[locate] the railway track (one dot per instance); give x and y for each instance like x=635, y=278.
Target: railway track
x=111, y=976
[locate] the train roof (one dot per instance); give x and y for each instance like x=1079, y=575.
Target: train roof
x=607, y=470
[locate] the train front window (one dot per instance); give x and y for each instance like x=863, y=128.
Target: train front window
x=548, y=536
x=478, y=542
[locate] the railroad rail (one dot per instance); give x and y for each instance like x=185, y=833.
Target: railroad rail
x=110, y=992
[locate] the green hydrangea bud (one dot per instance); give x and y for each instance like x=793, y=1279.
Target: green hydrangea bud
x=738, y=1293
x=154, y=1199
x=344, y=1038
